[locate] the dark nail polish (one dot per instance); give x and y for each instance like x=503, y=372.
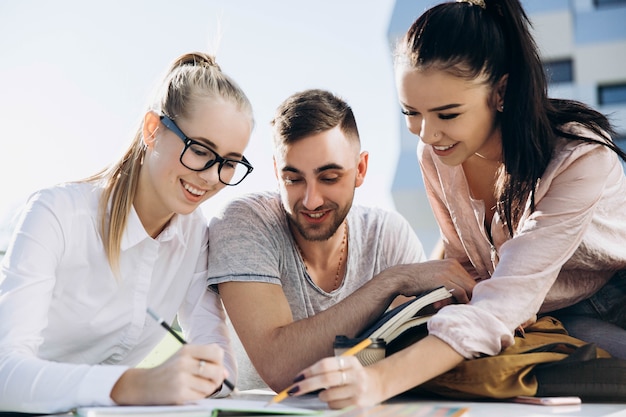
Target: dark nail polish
x=293, y=390
x=298, y=378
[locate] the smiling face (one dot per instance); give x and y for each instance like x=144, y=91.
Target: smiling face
x=166, y=186
x=455, y=116
x=317, y=176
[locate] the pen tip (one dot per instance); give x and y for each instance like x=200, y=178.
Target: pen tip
x=152, y=313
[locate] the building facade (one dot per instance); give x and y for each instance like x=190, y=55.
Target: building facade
x=583, y=47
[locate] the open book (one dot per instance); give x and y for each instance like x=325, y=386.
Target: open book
x=239, y=408
x=413, y=313
x=204, y=408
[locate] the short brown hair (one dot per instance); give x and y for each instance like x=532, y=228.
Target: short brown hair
x=309, y=112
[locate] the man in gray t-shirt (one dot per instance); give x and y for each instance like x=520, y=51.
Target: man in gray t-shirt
x=251, y=242
x=298, y=267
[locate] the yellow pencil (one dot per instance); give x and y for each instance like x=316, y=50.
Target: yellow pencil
x=357, y=348
x=352, y=351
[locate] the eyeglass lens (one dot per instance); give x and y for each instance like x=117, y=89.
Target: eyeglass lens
x=198, y=157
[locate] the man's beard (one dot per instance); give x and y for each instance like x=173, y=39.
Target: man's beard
x=319, y=232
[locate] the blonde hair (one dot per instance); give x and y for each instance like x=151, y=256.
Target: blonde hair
x=191, y=77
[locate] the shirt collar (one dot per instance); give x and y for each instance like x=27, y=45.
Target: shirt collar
x=135, y=232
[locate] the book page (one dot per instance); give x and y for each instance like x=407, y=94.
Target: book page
x=397, y=331
x=235, y=404
x=391, y=319
x=202, y=408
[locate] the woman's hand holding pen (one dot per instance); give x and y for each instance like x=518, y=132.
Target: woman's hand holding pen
x=192, y=373
x=344, y=382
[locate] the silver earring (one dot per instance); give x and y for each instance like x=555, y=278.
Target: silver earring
x=501, y=108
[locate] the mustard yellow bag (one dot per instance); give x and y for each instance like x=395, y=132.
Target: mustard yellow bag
x=512, y=372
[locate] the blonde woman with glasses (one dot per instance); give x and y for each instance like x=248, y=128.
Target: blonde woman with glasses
x=88, y=258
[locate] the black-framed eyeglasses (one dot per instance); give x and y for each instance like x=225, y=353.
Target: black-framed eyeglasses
x=200, y=158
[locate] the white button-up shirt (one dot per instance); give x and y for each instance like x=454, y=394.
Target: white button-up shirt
x=69, y=327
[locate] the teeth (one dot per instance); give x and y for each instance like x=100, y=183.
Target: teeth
x=442, y=148
x=193, y=190
x=315, y=215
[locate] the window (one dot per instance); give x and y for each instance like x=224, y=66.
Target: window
x=560, y=71
x=612, y=94
x=603, y=3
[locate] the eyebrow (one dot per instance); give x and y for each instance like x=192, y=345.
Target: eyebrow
x=440, y=108
x=446, y=107
x=327, y=167
x=211, y=145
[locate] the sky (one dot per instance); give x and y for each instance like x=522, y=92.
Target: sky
x=75, y=78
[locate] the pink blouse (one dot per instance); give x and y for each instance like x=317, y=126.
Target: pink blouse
x=562, y=253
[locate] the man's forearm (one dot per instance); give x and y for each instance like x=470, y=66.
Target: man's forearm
x=279, y=347
x=296, y=345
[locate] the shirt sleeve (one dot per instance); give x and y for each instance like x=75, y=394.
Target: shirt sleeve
x=402, y=245
x=203, y=320
x=245, y=243
x=530, y=262
x=27, y=382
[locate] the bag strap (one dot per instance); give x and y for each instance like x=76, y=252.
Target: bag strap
x=579, y=354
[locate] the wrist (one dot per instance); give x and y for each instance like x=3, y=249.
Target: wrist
x=123, y=391
x=379, y=389
x=388, y=284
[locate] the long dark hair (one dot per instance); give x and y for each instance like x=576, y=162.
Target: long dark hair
x=491, y=39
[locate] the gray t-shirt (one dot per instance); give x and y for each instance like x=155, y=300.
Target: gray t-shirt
x=250, y=241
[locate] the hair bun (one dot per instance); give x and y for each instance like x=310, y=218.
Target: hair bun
x=196, y=59
x=479, y=3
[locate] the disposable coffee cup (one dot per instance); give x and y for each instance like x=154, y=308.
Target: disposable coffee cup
x=371, y=354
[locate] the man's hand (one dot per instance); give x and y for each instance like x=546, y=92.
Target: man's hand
x=414, y=279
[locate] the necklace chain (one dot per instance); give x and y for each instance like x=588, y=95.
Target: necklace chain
x=341, y=252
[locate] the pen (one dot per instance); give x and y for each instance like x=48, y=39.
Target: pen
x=171, y=331
x=352, y=351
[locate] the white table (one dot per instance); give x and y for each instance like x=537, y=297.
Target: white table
x=491, y=408
x=476, y=409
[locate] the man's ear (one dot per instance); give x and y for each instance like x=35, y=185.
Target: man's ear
x=275, y=167
x=151, y=124
x=361, y=168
